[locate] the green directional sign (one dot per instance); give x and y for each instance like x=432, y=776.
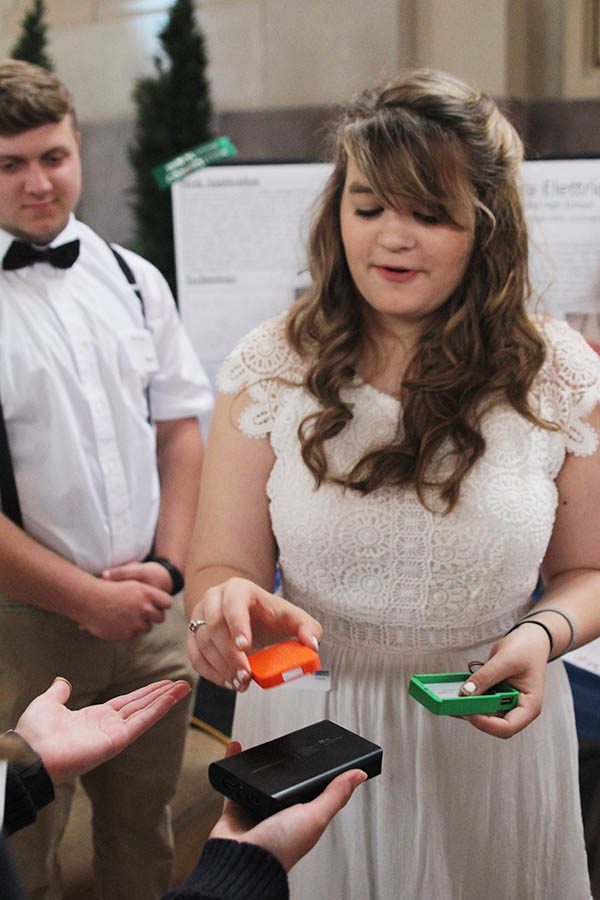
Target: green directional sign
x=196, y=158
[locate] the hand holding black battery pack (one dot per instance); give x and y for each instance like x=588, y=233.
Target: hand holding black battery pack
x=294, y=768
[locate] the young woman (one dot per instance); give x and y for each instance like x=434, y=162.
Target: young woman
x=410, y=445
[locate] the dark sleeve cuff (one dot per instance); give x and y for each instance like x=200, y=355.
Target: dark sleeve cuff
x=228, y=870
x=28, y=789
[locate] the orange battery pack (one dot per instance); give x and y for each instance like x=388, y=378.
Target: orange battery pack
x=282, y=662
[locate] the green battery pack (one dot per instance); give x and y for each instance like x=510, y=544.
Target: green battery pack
x=439, y=693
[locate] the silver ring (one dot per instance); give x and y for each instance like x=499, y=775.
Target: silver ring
x=195, y=624
x=474, y=665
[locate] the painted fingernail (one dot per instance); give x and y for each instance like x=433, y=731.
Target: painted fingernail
x=241, y=641
x=242, y=675
x=228, y=685
x=469, y=688
x=236, y=684
x=315, y=643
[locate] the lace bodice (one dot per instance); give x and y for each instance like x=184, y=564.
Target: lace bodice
x=381, y=570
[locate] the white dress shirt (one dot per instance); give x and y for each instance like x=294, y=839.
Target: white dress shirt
x=75, y=359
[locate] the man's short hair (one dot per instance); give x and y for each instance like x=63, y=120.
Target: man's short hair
x=31, y=96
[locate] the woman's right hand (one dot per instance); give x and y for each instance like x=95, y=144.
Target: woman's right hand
x=238, y=616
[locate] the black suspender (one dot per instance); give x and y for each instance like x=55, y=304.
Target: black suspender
x=8, y=487
x=126, y=270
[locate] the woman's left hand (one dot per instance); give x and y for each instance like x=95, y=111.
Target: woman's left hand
x=519, y=658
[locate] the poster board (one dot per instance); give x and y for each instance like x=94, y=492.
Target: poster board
x=561, y=199
x=240, y=239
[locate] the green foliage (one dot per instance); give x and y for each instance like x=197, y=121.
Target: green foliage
x=173, y=114
x=31, y=45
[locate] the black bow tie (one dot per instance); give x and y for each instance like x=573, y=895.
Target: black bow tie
x=21, y=254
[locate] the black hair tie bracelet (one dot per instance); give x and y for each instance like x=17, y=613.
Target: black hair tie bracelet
x=565, y=616
x=541, y=625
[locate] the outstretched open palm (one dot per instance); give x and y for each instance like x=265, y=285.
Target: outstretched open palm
x=71, y=742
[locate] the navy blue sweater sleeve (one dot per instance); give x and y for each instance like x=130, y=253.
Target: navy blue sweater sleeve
x=10, y=884
x=28, y=788
x=228, y=870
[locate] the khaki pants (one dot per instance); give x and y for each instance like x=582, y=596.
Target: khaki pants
x=129, y=794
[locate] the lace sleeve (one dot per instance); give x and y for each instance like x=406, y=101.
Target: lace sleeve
x=264, y=367
x=569, y=385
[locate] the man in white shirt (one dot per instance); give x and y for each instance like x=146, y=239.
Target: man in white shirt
x=101, y=393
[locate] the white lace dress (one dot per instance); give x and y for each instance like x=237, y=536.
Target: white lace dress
x=456, y=814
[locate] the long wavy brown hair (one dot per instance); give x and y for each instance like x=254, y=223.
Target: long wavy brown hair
x=430, y=138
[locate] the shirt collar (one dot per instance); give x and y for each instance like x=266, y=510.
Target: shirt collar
x=69, y=233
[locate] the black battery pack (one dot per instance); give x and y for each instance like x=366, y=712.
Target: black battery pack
x=294, y=768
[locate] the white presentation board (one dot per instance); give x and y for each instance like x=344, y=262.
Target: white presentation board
x=562, y=206
x=240, y=238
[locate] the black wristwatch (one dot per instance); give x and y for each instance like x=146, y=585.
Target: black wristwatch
x=175, y=573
